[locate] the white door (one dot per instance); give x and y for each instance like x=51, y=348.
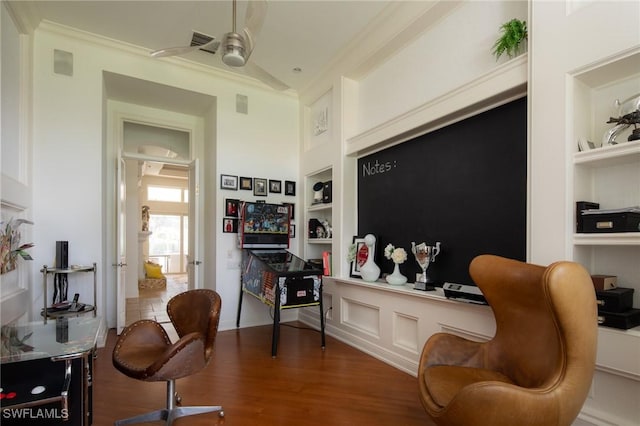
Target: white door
x=193, y=257
x=121, y=244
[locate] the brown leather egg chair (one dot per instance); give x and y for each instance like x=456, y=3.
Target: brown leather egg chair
x=144, y=352
x=537, y=369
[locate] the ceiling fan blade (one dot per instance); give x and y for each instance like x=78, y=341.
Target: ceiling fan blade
x=253, y=70
x=173, y=51
x=254, y=18
x=256, y=13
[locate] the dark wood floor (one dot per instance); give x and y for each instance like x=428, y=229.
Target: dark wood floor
x=302, y=386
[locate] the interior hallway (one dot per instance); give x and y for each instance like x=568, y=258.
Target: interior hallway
x=152, y=303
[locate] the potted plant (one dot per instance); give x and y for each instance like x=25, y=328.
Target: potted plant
x=510, y=42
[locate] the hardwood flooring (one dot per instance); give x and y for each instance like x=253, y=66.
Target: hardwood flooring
x=302, y=386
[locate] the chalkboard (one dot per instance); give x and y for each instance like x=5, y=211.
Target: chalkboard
x=464, y=185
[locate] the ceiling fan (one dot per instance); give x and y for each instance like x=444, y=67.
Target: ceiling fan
x=235, y=48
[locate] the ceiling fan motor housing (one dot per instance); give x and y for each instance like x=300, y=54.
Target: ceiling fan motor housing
x=234, y=52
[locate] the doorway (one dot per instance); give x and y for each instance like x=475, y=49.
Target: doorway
x=158, y=220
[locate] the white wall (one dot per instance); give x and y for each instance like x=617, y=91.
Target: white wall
x=456, y=50
x=68, y=155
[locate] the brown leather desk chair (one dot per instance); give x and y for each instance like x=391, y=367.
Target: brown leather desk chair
x=537, y=369
x=144, y=352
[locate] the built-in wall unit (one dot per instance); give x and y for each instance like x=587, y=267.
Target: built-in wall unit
x=572, y=101
x=394, y=92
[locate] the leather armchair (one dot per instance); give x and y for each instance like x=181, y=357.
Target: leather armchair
x=144, y=351
x=537, y=369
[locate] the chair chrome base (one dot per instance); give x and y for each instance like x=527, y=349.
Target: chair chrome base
x=170, y=413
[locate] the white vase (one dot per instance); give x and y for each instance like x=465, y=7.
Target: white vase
x=370, y=271
x=396, y=278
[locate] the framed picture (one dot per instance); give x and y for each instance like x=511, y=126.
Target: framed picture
x=275, y=186
x=361, y=252
x=231, y=207
x=229, y=182
x=246, y=183
x=230, y=226
x=292, y=210
x=259, y=187
x=292, y=231
x=289, y=187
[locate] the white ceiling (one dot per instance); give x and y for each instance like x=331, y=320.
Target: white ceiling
x=308, y=34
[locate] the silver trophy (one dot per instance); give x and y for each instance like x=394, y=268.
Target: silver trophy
x=424, y=255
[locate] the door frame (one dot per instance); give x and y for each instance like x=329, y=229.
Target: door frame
x=117, y=114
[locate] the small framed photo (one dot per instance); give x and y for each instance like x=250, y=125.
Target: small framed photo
x=231, y=207
x=289, y=187
x=259, y=187
x=292, y=210
x=246, y=183
x=292, y=231
x=230, y=226
x=275, y=186
x=229, y=182
x=360, y=255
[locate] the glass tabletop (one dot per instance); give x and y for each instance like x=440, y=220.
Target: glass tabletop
x=64, y=337
x=283, y=261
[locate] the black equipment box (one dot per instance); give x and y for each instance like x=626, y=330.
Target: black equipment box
x=622, y=320
x=616, y=300
x=327, y=192
x=464, y=293
x=628, y=221
x=580, y=207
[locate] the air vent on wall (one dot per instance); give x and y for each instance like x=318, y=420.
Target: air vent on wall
x=198, y=39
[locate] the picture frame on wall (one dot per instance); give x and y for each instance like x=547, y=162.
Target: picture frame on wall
x=292, y=231
x=275, y=186
x=292, y=210
x=360, y=256
x=229, y=225
x=246, y=183
x=231, y=207
x=289, y=187
x=229, y=182
x=259, y=187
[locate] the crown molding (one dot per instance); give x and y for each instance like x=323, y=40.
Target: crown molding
x=24, y=14
x=398, y=25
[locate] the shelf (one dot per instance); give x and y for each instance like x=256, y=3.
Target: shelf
x=45, y=313
x=613, y=155
x=319, y=207
x=608, y=239
x=70, y=270
x=319, y=240
x=66, y=313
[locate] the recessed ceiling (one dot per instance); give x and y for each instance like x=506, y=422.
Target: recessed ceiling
x=305, y=34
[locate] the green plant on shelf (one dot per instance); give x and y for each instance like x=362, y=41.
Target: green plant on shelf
x=514, y=32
